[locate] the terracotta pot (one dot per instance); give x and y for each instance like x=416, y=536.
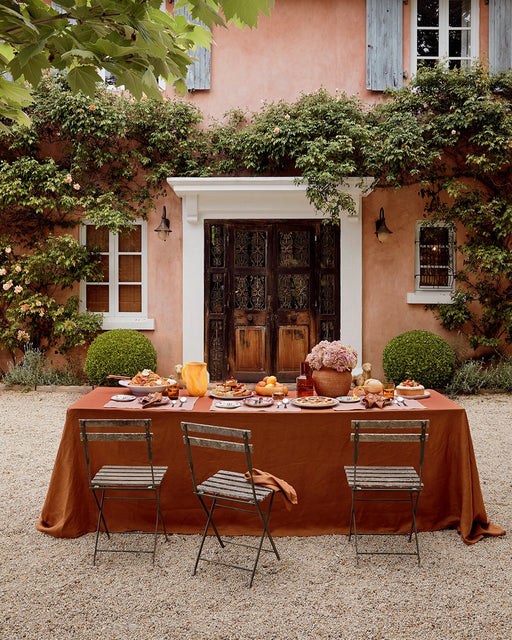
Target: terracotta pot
x=331, y=383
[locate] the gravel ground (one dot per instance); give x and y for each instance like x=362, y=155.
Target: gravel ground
x=50, y=590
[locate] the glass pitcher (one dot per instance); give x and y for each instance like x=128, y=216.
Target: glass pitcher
x=195, y=377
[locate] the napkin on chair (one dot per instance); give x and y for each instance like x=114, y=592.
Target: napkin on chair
x=277, y=484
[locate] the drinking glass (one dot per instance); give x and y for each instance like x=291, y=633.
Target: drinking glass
x=277, y=396
x=389, y=389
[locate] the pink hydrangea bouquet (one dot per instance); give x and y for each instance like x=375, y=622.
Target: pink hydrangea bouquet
x=334, y=355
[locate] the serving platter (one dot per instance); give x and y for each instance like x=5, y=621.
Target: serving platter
x=228, y=395
x=142, y=390
x=415, y=397
x=315, y=402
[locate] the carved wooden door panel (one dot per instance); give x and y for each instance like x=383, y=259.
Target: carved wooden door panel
x=271, y=294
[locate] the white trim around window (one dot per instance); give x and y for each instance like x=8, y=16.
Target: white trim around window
x=443, y=31
x=444, y=249
x=114, y=318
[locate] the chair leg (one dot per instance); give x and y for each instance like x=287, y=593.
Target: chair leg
x=352, y=516
x=264, y=519
x=414, y=505
x=203, y=539
x=100, y=520
x=209, y=514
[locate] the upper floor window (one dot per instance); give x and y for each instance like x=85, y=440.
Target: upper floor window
x=434, y=274
x=444, y=31
x=122, y=293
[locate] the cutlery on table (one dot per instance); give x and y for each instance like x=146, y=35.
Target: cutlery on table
x=285, y=403
x=183, y=399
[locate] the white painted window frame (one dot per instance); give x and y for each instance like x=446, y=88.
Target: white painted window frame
x=443, y=32
x=115, y=319
x=430, y=294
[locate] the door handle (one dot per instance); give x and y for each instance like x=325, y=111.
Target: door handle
x=293, y=317
x=250, y=318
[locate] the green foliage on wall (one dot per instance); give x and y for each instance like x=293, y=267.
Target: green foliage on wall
x=448, y=132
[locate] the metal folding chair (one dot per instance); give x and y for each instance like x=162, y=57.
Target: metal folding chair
x=228, y=489
x=385, y=480
x=116, y=482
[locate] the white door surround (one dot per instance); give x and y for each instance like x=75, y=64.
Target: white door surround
x=266, y=199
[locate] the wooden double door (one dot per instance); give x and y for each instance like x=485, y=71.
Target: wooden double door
x=271, y=293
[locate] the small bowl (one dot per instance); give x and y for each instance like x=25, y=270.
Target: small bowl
x=142, y=391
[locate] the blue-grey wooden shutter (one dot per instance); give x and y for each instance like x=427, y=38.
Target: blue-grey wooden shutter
x=384, y=36
x=198, y=75
x=500, y=35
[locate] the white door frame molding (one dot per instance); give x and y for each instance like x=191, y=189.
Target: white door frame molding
x=266, y=199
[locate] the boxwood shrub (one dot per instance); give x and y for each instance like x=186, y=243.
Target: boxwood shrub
x=120, y=352
x=419, y=355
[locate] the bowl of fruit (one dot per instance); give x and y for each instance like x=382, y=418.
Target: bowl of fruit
x=270, y=385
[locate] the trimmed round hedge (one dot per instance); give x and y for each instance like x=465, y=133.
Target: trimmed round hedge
x=419, y=355
x=120, y=352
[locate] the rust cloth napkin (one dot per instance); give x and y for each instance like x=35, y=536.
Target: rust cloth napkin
x=373, y=400
x=277, y=484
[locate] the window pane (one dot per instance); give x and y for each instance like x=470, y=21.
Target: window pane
x=96, y=237
x=435, y=253
x=130, y=269
x=130, y=298
x=428, y=13
x=455, y=49
x=428, y=43
x=104, y=270
x=97, y=298
x=460, y=13
x=131, y=241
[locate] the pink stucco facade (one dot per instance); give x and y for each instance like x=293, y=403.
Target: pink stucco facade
x=301, y=47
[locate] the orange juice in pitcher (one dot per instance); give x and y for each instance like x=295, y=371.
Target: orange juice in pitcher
x=195, y=378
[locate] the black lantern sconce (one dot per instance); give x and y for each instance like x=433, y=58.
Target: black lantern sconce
x=164, y=228
x=381, y=230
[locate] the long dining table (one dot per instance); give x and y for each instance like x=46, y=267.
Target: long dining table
x=306, y=447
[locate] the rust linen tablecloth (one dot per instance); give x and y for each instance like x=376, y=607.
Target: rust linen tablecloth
x=307, y=449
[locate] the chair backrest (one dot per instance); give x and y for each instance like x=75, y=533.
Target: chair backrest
x=238, y=442
x=394, y=431
x=105, y=430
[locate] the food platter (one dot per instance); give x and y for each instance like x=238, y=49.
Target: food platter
x=230, y=395
x=315, y=402
x=415, y=397
x=122, y=397
x=347, y=399
x=142, y=390
x=258, y=402
x=228, y=404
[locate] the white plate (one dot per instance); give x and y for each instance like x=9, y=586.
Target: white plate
x=122, y=398
x=228, y=404
x=348, y=399
x=142, y=391
x=417, y=397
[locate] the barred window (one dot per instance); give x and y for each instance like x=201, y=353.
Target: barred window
x=435, y=256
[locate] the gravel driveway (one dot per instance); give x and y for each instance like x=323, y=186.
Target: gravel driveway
x=50, y=590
